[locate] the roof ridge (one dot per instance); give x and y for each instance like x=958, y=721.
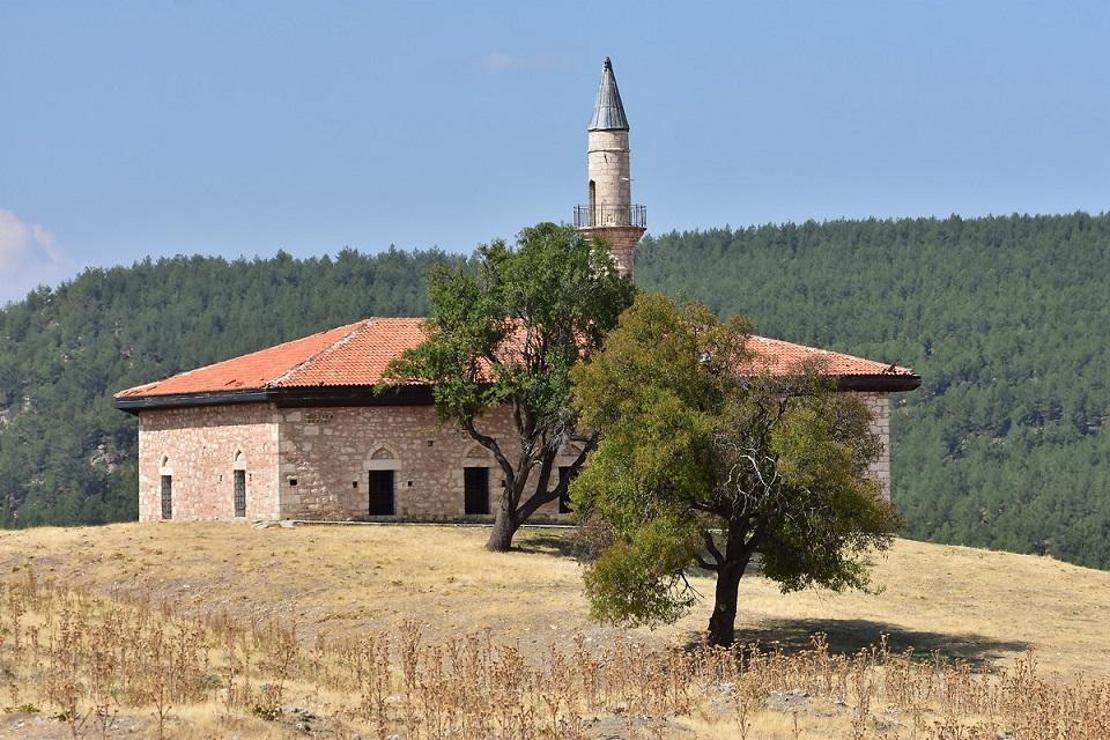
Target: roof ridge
x=236, y=358
x=307, y=362
x=821, y=350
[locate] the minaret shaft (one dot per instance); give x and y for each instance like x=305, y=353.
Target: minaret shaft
x=608, y=168
x=609, y=212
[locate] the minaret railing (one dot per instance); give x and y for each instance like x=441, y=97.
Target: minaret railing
x=604, y=215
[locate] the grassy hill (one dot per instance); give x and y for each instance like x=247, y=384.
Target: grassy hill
x=1006, y=318
x=247, y=608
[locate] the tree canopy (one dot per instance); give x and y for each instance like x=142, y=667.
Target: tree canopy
x=699, y=464
x=503, y=338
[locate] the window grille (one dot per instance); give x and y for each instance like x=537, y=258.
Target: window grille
x=240, y=493
x=167, y=497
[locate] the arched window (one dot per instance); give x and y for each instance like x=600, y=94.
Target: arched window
x=477, y=452
x=239, y=476
x=167, y=488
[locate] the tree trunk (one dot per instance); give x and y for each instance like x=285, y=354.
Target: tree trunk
x=722, y=624
x=505, y=526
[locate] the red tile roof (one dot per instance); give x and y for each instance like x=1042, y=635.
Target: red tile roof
x=776, y=356
x=354, y=354
x=357, y=355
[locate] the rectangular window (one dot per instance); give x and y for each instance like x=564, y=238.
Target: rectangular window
x=564, y=498
x=476, y=490
x=167, y=497
x=240, y=493
x=381, y=493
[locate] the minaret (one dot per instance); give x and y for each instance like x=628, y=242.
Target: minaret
x=609, y=212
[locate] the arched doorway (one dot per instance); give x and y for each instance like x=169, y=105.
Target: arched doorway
x=381, y=483
x=476, y=494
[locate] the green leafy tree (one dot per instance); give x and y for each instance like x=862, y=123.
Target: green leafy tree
x=702, y=464
x=505, y=336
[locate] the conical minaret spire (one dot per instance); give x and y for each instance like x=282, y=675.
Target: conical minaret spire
x=608, y=109
x=610, y=214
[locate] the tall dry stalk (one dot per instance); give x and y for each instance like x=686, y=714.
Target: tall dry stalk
x=90, y=660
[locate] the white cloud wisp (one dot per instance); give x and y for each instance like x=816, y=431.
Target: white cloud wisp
x=29, y=256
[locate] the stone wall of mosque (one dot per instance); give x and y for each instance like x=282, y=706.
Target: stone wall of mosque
x=326, y=463
x=334, y=460
x=198, y=450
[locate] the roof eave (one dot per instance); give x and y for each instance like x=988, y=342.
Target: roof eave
x=135, y=404
x=342, y=395
x=878, y=383
x=605, y=127
x=416, y=394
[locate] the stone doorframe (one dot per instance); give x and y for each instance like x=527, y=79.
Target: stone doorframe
x=381, y=457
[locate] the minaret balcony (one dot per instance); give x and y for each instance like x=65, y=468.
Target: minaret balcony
x=591, y=217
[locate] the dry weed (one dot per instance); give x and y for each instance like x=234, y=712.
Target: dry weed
x=88, y=661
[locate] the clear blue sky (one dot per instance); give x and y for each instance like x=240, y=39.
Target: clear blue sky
x=238, y=128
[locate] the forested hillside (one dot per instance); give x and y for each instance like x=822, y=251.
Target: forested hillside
x=1007, y=319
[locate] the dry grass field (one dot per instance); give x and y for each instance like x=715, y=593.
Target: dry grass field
x=319, y=618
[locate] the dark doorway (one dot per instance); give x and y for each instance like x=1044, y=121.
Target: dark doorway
x=167, y=497
x=564, y=497
x=476, y=490
x=240, y=493
x=381, y=493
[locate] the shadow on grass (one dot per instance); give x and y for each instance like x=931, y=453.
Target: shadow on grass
x=848, y=636
x=845, y=636
x=564, y=543
x=556, y=543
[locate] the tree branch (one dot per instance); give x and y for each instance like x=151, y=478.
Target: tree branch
x=491, y=444
x=687, y=586
x=542, y=495
x=711, y=546
x=706, y=564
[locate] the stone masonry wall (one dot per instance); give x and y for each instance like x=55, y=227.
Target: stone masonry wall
x=198, y=447
x=330, y=451
x=879, y=406
x=622, y=242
